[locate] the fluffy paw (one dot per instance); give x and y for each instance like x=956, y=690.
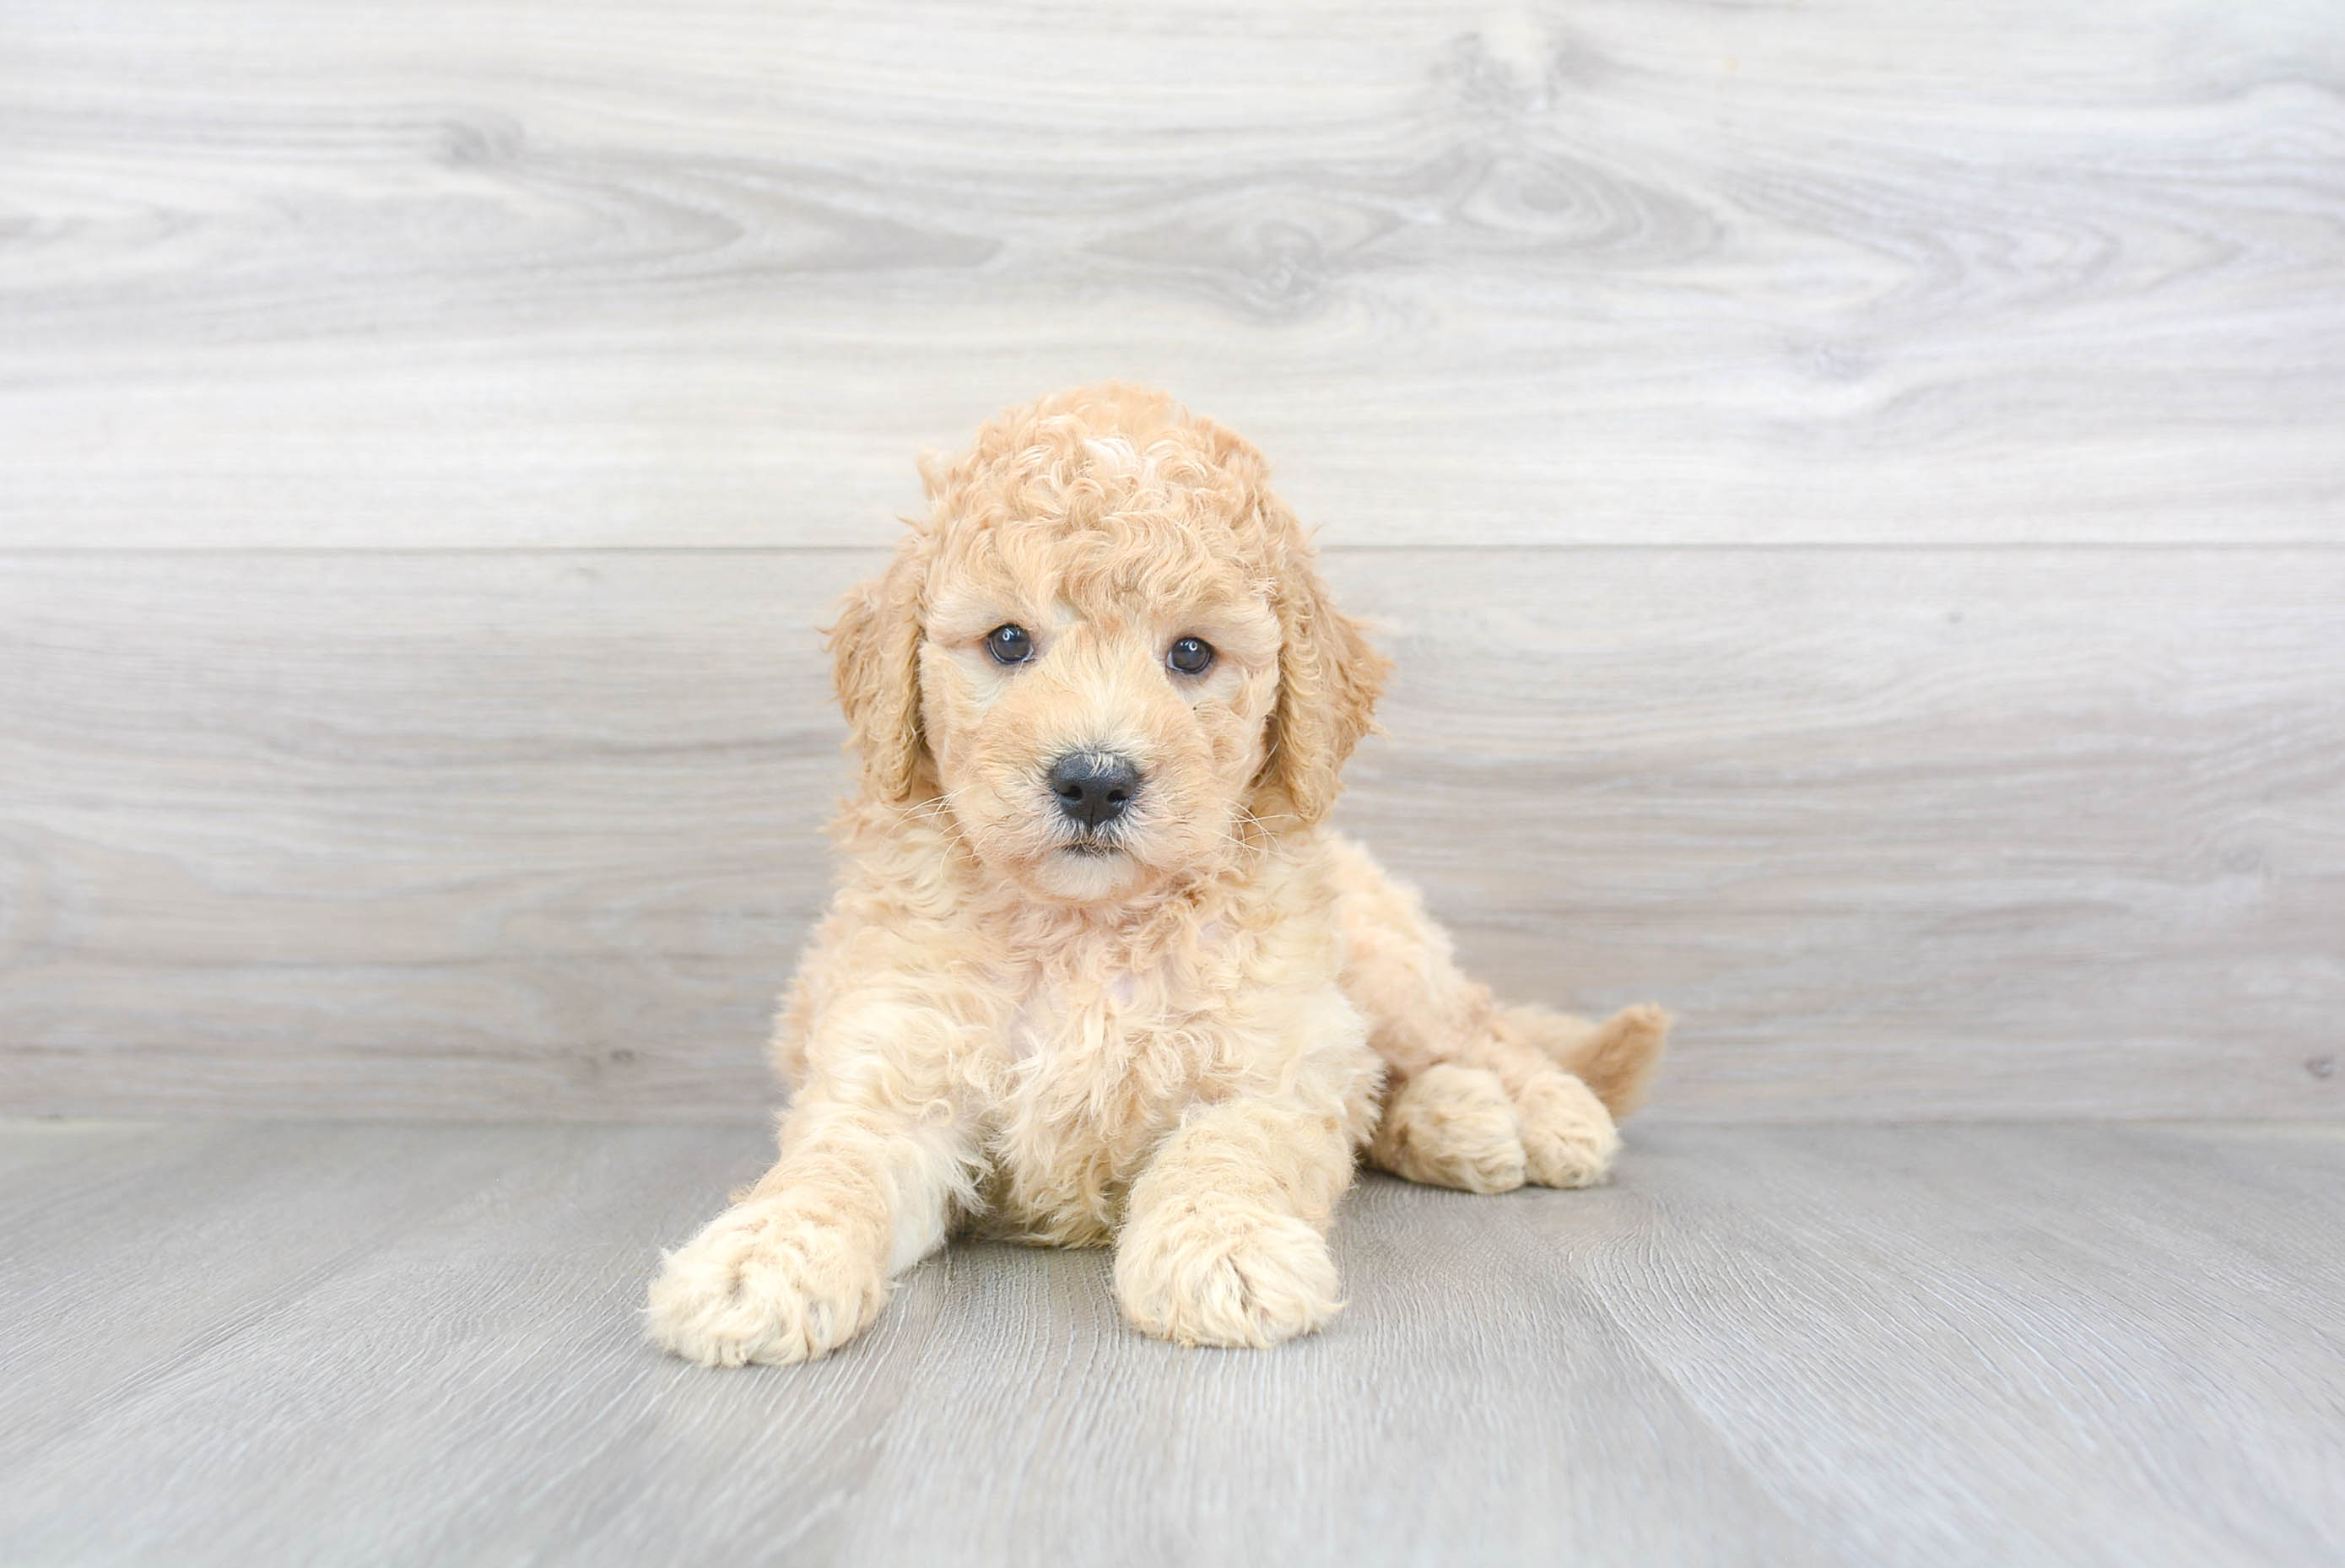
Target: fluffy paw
x=1568, y=1138
x=765, y=1281
x=1452, y=1127
x=1219, y=1273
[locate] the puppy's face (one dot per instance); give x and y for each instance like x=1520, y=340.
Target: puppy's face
x=1105, y=658
x=1096, y=699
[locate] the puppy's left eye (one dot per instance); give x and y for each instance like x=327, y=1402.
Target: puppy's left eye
x=1191, y=655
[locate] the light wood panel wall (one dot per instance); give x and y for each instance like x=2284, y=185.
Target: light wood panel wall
x=1858, y=491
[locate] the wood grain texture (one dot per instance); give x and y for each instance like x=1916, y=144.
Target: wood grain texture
x=1899, y=834
x=502, y=274
x=435, y=341
x=2058, y=1344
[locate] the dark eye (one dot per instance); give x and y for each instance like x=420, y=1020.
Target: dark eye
x=1009, y=644
x=1191, y=655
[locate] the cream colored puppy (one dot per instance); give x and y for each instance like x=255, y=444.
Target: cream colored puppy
x=1095, y=972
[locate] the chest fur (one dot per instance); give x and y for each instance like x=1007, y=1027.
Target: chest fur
x=1094, y=1064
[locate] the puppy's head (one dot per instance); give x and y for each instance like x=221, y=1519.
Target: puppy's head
x=1105, y=653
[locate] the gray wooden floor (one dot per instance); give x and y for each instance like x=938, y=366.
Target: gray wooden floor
x=2053, y=1343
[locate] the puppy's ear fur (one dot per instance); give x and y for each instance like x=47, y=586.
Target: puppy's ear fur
x=875, y=657
x=1329, y=679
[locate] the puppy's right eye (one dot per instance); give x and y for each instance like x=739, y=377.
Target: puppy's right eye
x=1009, y=644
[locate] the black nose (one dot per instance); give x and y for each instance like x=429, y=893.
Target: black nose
x=1094, y=787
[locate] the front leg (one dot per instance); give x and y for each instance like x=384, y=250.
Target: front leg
x=805, y=1259
x=1224, y=1239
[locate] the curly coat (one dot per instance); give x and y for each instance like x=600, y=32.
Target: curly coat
x=1172, y=1031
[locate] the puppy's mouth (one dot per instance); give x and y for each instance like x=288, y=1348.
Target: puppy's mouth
x=1091, y=849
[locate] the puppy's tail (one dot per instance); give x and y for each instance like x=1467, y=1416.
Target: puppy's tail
x=1615, y=1058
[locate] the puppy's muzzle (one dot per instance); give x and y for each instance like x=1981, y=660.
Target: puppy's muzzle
x=1093, y=788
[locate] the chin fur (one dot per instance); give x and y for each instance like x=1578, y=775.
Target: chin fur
x=1083, y=873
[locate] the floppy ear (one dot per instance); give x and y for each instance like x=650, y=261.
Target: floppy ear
x=875, y=650
x=1328, y=681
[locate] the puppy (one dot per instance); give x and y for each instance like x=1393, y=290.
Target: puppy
x=1096, y=973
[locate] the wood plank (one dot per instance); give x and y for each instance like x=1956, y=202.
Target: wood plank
x=1955, y=834
x=1470, y=1393
x=1921, y=834
x=710, y=272
x=2057, y=1316
x=233, y=1222
x=406, y=1332
x=1883, y=1345
x=530, y=835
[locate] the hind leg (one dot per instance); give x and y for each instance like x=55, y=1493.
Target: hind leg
x=1568, y=1136
x=1500, y=1113
x=1452, y=1126
x=1481, y=1097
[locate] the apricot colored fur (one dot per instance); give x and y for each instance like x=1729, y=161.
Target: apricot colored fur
x=1179, y=1045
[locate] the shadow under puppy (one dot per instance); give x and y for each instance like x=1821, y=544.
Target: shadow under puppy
x=1096, y=973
